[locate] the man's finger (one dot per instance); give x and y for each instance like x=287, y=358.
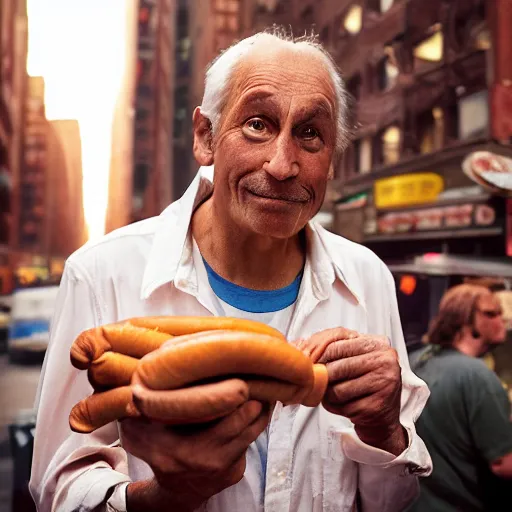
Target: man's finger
x=315, y=346
x=233, y=425
x=197, y=404
x=343, y=392
x=351, y=367
x=353, y=347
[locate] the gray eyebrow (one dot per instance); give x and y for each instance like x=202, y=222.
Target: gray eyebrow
x=321, y=109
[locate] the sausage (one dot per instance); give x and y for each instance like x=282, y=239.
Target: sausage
x=111, y=370
x=320, y=382
x=137, y=337
x=212, y=354
x=111, y=354
x=180, y=325
x=123, y=338
x=99, y=409
x=197, y=404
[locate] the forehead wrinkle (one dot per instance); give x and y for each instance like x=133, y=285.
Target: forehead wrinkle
x=258, y=98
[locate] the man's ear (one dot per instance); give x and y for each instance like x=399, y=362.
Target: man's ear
x=203, y=143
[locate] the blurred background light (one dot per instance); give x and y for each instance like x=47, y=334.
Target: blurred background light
x=78, y=48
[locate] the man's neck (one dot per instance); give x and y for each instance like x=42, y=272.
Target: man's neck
x=246, y=259
x=470, y=346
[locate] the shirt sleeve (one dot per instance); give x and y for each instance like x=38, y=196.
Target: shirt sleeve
x=72, y=471
x=388, y=483
x=488, y=409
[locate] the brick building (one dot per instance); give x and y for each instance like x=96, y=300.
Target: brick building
x=204, y=29
x=13, y=77
x=64, y=222
x=152, y=152
x=432, y=85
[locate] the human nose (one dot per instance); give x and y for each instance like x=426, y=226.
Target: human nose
x=282, y=163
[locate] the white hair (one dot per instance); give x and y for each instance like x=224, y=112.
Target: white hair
x=222, y=68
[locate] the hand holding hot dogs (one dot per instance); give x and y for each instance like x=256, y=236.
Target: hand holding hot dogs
x=194, y=464
x=364, y=384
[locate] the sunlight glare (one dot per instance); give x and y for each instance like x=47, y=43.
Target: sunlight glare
x=79, y=48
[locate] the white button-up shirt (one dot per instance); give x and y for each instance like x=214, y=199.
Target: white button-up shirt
x=315, y=460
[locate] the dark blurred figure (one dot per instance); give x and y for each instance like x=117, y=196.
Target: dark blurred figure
x=466, y=423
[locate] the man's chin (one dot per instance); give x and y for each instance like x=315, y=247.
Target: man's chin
x=275, y=229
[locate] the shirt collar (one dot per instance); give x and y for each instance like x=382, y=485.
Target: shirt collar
x=171, y=234
x=171, y=241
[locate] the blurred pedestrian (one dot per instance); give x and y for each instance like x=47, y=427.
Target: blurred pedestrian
x=466, y=423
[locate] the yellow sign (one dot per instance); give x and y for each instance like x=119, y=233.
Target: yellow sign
x=408, y=189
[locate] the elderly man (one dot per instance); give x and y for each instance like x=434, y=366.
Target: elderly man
x=240, y=243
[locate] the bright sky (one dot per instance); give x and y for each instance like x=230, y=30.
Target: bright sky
x=78, y=46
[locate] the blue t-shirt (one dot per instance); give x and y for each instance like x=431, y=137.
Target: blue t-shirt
x=253, y=301
x=272, y=307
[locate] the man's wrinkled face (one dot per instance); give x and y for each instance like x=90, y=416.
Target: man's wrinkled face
x=275, y=142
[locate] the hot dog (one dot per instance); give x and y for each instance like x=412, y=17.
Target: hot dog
x=197, y=404
x=173, y=364
x=210, y=354
x=137, y=337
x=111, y=370
x=180, y=325
x=122, y=338
x=99, y=409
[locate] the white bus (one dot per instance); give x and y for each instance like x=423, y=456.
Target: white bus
x=29, y=326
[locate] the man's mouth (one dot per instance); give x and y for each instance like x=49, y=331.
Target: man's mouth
x=278, y=197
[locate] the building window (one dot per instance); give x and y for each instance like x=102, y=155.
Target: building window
x=228, y=22
x=325, y=36
x=233, y=23
x=141, y=134
x=353, y=20
x=354, y=86
x=385, y=5
x=180, y=112
x=430, y=50
x=220, y=22
x=307, y=17
x=387, y=73
x=140, y=178
x=473, y=115
x=390, y=140
x=481, y=37
x=184, y=49
x=365, y=155
x=431, y=130
x=226, y=5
